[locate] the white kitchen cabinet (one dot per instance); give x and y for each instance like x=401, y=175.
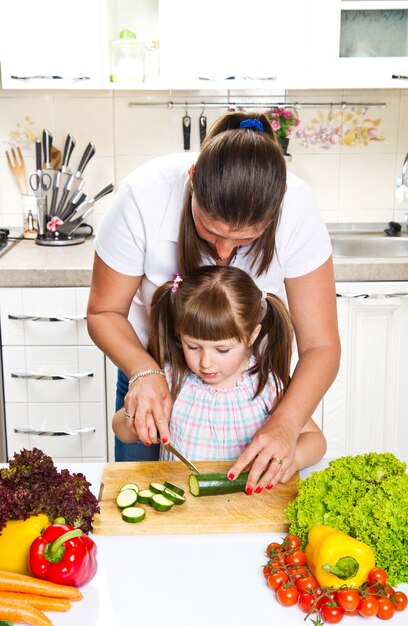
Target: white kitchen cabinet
x=53, y=375
x=359, y=44
x=366, y=407
x=49, y=45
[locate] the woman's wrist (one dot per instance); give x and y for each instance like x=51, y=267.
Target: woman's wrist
x=143, y=373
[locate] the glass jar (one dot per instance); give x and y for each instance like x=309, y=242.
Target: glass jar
x=127, y=58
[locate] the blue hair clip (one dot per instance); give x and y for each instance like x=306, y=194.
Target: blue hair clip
x=249, y=123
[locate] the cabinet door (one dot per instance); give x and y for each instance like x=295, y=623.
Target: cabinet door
x=360, y=43
x=365, y=409
x=217, y=40
x=52, y=45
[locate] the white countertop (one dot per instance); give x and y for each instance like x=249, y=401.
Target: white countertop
x=184, y=580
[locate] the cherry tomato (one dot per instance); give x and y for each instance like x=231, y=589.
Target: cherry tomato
x=386, y=608
x=297, y=572
x=306, y=601
x=273, y=548
x=297, y=557
x=400, y=601
x=377, y=574
x=266, y=570
x=292, y=542
x=276, y=579
x=368, y=606
x=389, y=591
x=328, y=597
x=348, y=599
x=331, y=613
x=287, y=595
x=307, y=584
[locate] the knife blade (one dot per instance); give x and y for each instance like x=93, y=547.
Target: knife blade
x=182, y=458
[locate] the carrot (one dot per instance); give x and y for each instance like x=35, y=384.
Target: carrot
x=22, y=612
x=43, y=603
x=9, y=581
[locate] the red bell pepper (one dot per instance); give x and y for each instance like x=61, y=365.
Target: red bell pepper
x=64, y=555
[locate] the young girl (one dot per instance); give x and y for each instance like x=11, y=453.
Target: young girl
x=225, y=347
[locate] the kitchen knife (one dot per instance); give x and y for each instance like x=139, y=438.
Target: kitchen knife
x=55, y=189
x=77, y=181
x=186, y=131
x=89, y=201
x=178, y=454
x=202, y=122
x=47, y=143
x=61, y=180
x=67, y=228
x=77, y=200
x=67, y=188
x=68, y=148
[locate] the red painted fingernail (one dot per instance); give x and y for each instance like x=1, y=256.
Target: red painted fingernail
x=164, y=440
x=269, y=486
x=147, y=443
x=231, y=476
x=248, y=491
x=258, y=489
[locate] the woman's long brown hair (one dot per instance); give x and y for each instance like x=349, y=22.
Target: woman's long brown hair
x=239, y=179
x=216, y=303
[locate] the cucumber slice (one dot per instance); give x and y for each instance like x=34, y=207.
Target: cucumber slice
x=173, y=496
x=174, y=488
x=144, y=496
x=160, y=502
x=133, y=514
x=125, y=498
x=157, y=487
x=130, y=486
x=216, y=484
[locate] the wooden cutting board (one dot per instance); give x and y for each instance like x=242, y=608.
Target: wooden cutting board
x=233, y=513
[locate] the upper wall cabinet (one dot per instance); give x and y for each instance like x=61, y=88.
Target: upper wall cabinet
x=52, y=45
x=359, y=44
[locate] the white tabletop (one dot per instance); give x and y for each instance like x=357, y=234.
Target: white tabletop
x=184, y=580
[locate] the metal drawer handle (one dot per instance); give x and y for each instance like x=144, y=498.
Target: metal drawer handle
x=54, y=433
x=53, y=318
x=40, y=77
x=377, y=296
x=52, y=376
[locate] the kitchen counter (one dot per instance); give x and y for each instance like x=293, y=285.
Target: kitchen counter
x=183, y=580
x=30, y=265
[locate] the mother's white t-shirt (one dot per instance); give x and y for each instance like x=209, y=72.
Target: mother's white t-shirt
x=138, y=235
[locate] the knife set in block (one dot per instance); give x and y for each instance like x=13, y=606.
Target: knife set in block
x=62, y=205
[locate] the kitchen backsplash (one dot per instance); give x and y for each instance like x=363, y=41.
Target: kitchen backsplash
x=352, y=156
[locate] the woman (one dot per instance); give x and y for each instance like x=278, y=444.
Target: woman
x=237, y=206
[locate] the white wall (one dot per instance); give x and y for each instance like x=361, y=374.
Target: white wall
x=353, y=175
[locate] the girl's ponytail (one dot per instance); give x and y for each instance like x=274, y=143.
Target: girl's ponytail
x=273, y=346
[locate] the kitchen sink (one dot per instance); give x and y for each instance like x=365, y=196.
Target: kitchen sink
x=369, y=245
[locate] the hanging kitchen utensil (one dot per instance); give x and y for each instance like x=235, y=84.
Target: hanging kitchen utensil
x=186, y=130
x=17, y=166
x=202, y=123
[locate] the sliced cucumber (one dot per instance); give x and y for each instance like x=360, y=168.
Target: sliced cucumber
x=144, y=496
x=125, y=498
x=157, y=487
x=215, y=484
x=133, y=514
x=160, y=502
x=173, y=496
x=130, y=486
x=174, y=488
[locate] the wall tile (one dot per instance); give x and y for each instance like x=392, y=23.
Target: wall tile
x=366, y=182
x=321, y=171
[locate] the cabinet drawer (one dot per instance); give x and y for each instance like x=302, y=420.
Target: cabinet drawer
x=36, y=374
x=44, y=316
x=68, y=419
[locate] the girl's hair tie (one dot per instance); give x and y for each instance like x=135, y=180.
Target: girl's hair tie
x=177, y=279
x=250, y=123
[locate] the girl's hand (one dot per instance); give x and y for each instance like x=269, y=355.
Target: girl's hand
x=270, y=453
x=148, y=401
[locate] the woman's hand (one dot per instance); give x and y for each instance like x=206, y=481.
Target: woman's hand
x=269, y=455
x=149, y=403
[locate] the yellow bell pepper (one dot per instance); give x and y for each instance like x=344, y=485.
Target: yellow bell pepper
x=15, y=540
x=336, y=559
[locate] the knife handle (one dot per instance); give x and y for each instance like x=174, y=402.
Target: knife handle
x=47, y=143
x=203, y=127
x=104, y=192
x=38, y=156
x=186, y=131
x=68, y=148
x=86, y=157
